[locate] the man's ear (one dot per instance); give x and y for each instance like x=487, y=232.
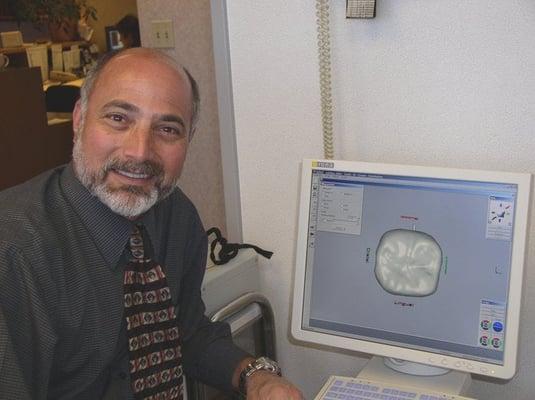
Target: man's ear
x=76, y=118
x=191, y=133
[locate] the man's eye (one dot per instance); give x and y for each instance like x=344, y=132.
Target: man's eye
x=116, y=117
x=170, y=131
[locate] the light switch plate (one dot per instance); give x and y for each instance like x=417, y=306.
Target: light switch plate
x=162, y=34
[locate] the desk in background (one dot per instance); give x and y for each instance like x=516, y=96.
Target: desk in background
x=17, y=55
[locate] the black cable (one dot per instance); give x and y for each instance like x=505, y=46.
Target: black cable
x=229, y=250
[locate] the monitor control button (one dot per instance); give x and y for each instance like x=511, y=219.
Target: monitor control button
x=444, y=362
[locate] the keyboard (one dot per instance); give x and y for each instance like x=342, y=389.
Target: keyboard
x=346, y=388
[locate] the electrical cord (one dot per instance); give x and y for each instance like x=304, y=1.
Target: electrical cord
x=229, y=250
x=324, y=55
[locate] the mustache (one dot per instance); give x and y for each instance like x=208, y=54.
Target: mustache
x=146, y=167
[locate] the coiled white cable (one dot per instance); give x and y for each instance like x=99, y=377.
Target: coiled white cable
x=324, y=55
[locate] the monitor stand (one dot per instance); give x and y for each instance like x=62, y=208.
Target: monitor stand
x=450, y=382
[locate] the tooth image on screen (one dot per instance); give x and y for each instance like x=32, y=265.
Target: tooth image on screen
x=408, y=263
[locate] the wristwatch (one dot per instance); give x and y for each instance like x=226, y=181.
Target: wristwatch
x=260, y=364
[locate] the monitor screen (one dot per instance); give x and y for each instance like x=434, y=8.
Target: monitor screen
x=113, y=38
x=415, y=263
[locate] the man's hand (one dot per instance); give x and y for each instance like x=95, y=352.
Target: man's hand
x=264, y=385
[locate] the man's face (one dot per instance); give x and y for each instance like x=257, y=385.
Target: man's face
x=131, y=144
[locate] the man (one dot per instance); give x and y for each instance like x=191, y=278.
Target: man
x=64, y=245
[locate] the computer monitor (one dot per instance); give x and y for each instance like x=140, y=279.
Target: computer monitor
x=412, y=263
x=113, y=38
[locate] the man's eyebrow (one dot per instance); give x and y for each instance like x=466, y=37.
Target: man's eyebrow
x=126, y=106
x=121, y=104
x=171, y=118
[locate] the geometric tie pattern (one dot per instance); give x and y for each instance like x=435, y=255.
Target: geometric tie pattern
x=152, y=328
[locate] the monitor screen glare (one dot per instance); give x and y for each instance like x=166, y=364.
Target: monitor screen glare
x=421, y=264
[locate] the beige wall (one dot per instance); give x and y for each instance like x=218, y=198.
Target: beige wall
x=202, y=178
x=109, y=13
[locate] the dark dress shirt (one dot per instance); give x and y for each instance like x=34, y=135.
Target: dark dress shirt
x=62, y=331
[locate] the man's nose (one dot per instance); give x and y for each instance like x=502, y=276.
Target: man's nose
x=137, y=143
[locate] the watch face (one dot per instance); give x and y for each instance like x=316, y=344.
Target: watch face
x=260, y=364
x=263, y=363
x=268, y=364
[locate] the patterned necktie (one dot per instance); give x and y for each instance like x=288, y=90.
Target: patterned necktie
x=152, y=329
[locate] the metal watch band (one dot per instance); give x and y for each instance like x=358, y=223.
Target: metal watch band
x=260, y=364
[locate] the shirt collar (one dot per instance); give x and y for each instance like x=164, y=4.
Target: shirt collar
x=109, y=231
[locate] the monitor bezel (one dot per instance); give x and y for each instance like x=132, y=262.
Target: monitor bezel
x=522, y=180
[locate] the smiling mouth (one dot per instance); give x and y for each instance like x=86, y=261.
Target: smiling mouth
x=132, y=175
x=135, y=173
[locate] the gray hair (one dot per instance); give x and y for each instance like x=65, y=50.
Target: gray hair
x=94, y=73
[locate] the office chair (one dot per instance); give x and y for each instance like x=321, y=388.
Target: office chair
x=61, y=98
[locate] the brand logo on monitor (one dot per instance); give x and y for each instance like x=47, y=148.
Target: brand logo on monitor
x=322, y=164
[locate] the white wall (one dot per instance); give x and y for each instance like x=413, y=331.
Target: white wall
x=446, y=83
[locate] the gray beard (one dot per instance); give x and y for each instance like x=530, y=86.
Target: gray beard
x=128, y=201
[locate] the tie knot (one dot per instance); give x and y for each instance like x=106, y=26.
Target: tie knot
x=136, y=243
